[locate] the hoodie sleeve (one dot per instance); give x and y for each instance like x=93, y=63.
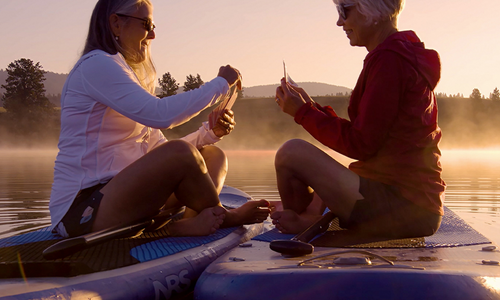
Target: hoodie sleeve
x=373, y=109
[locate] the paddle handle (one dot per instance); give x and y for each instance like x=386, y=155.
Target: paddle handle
x=318, y=227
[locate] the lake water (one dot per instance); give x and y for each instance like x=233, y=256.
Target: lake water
x=472, y=176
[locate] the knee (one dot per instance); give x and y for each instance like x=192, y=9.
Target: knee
x=290, y=151
x=180, y=151
x=177, y=146
x=214, y=156
x=213, y=152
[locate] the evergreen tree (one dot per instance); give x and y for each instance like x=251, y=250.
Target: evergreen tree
x=24, y=89
x=192, y=82
x=168, y=85
x=476, y=94
x=29, y=112
x=495, y=96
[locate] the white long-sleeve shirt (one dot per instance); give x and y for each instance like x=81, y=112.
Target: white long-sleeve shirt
x=109, y=121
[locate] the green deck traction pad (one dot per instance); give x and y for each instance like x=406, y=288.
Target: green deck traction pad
x=453, y=232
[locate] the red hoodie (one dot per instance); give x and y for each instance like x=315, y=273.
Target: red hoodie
x=393, y=130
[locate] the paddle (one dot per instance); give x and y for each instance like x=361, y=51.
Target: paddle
x=72, y=245
x=299, y=244
x=230, y=198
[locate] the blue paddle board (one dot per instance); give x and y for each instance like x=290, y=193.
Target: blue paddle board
x=456, y=263
x=150, y=266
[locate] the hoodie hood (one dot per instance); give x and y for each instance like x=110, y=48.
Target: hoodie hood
x=409, y=46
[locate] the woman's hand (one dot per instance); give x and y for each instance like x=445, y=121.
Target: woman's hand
x=225, y=124
x=291, y=98
x=231, y=75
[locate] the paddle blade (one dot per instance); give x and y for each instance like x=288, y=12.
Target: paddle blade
x=291, y=247
x=231, y=197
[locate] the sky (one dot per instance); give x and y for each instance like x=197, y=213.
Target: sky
x=255, y=36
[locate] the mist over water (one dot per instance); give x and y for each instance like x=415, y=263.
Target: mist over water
x=472, y=176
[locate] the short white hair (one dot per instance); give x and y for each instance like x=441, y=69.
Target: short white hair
x=376, y=10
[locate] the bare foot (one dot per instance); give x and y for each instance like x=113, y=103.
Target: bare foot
x=205, y=223
x=249, y=213
x=288, y=221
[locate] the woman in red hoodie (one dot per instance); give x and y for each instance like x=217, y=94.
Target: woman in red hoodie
x=394, y=188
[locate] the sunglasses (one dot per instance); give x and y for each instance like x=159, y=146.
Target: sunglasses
x=341, y=8
x=148, y=23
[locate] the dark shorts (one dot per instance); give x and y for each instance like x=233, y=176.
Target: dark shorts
x=81, y=215
x=385, y=212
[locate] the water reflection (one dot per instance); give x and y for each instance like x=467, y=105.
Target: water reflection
x=473, y=178
x=25, y=182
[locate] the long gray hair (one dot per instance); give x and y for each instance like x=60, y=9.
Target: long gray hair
x=377, y=10
x=100, y=37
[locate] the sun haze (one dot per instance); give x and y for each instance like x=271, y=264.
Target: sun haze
x=196, y=37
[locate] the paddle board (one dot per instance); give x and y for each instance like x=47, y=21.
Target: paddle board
x=150, y=266
x=455, y=263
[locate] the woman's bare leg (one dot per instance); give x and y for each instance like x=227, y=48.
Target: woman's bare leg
x=175, y=168
x=216, y=162
x=250, y=212
x=217, y=165
x=305, y=175
x=141, y=189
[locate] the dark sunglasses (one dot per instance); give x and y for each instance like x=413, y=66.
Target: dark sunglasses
x=341, y=8
x=148, y=23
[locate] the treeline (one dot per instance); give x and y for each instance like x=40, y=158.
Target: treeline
x=465, y=122
x=475, y=95
x=29, y=118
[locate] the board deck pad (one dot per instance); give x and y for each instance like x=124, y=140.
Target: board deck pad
x=21, y=256
x=107, y=256
x=453, y=232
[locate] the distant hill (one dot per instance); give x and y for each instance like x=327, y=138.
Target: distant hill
x=54, y=82
x=312, y=88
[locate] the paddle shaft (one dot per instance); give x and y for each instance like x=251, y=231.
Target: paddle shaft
x=229, y=197
x=70, y=246
x=318, y=227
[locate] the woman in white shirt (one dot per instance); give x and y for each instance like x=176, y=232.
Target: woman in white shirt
x=114, y=165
